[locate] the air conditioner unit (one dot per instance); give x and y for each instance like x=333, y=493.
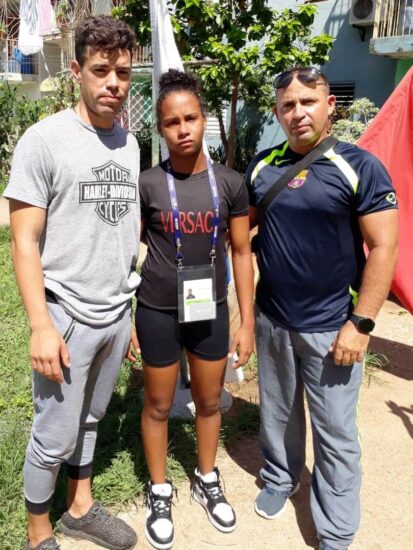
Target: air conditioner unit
x=362, y=12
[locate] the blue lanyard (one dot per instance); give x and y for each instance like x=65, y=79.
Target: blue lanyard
x=175, y=212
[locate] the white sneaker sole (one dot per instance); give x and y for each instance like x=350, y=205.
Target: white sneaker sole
x=221, y=528
x=158, y=545
x=280, y=512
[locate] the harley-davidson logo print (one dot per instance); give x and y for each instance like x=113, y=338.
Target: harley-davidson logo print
x=112, y=192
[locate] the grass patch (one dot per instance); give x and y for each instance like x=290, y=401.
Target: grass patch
x=374, y=363
x=120, y=472
x=15, y=401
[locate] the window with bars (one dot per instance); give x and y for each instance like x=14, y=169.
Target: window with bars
x=344, y=92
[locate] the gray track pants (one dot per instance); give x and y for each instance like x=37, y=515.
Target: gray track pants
x=288, y=362
x=66, y=416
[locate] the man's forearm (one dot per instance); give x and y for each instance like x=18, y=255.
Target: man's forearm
x=377, y=277
x=30, y=279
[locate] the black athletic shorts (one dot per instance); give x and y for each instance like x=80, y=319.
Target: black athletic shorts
x=162, y=338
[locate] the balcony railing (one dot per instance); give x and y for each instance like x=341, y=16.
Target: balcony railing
x=393, y=29
x=14, y=65
x=141, y=55
x=393, y=18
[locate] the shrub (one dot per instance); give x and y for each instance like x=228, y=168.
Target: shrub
x=351, y=122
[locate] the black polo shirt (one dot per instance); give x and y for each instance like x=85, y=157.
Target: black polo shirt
x=311, y=254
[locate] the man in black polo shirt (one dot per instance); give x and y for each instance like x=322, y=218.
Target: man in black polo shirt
x=317, y=299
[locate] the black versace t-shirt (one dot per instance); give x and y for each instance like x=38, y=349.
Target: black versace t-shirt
x=158, y=288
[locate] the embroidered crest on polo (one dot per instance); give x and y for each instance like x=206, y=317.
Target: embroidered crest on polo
x=299, y=180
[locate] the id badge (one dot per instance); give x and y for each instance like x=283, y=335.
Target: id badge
x=196, y=293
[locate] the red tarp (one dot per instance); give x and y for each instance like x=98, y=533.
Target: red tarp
x=390, y=138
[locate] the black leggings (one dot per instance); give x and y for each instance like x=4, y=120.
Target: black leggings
x=162, y=338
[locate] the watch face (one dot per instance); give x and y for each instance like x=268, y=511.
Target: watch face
x=366, y=325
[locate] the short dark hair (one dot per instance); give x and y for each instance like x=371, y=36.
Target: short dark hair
x=102, y=33
x=177, y=81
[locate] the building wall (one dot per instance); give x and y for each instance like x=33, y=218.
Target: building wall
x=350, y=58
x=403, y=66
x=30, y=90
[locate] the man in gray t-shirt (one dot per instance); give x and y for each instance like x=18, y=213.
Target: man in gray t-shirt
x=75, y=222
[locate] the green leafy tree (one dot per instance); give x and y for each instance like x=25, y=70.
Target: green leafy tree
x=243, y=44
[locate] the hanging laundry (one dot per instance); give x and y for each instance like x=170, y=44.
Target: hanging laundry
x=29, y=40
x=47, y=19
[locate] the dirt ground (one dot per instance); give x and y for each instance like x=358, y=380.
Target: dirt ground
x=386, y=424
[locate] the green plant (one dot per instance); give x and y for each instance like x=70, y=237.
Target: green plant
x=144, y=137
x=16, y=114
x=244, y=44
x=120, y=471
x=374, y=363
x=63, y=12
x=64, y=95
x=351, y=122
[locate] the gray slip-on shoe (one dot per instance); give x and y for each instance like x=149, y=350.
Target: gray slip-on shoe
x=324, y=546
x=100, y=527
x=270, y=504
x=47, y=544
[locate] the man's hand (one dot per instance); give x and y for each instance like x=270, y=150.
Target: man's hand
x=134, y=347
x=349, y=346
x=48, y=351
x=243, y=341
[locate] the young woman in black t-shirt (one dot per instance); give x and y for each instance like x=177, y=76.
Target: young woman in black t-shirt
x=181, y=122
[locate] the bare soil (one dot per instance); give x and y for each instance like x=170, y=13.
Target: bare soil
x=386, y=424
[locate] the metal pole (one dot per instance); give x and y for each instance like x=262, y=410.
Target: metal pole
x=155, y=135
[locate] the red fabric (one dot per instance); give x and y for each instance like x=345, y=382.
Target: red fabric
x=390, y=138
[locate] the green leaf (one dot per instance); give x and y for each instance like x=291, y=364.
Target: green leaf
x=248, y=41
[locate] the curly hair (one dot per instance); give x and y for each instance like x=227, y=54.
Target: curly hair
x=178, y=81
x=102, y=33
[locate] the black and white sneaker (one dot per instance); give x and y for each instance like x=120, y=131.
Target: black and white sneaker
x=159, y=529
x=208, y=492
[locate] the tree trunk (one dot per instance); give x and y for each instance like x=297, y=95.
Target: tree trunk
x=223, y=135
x=233, y=123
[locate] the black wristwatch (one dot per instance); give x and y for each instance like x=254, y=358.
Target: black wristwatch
x=363, y=324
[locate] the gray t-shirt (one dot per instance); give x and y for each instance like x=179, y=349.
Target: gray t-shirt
x=87, y=179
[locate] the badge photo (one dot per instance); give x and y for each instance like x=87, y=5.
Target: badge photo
x=196, y=293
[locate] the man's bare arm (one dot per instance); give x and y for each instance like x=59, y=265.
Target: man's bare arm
x=47, y=347
x=380, y=232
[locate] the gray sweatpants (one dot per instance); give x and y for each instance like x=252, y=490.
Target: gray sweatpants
x=66, y=415
x=288, y=363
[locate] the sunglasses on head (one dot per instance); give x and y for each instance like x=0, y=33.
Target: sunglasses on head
x=305, y=75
